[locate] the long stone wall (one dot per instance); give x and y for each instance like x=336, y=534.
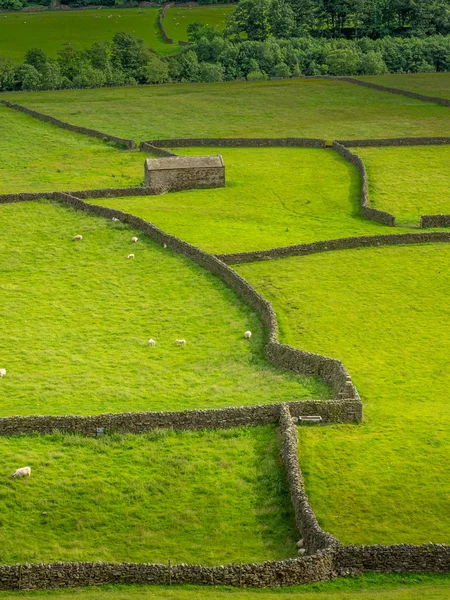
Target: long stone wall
x=297, y=571
x=314, y=538
x=365, y=210
x=162, y=29
x=389, y=239
x=130, y=144
x=330, y=370
x=148, y=147
x=381, y=142
x=398, y=558
x=383, y=88
x=332, y=411
x=239, y=142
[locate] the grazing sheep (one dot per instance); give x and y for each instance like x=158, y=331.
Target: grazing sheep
x=248, y=335
x=134, y=239
x=151, y=342
x=2, y=372
x=164, y=245
x=114, y=219
x=181, y=342
x=301, y=551
x=23, y=472
x=77, y=238
x=130, y=256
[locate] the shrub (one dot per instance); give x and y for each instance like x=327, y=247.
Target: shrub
x=257, y=76
x=210, y=72
x=372, y=63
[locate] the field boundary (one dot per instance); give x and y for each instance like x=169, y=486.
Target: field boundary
x=383, y=88
x=236, y=142
x=372, y=241
x=130, y=144
x=162, y=29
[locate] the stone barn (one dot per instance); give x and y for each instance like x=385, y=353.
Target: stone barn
x=176, y=173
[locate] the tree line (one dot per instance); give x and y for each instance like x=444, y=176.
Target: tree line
x=318, y=18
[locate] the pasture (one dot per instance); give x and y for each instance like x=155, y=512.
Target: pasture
x=384, y=313
x=76, y=320
x=51, y=30
x=430, y=84
x=208, y=497
x=81, y=316
x=178, y=18
x=408, y=181
x=309, y=108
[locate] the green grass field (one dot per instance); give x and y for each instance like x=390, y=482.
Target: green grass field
x=384, y=313
x=430, y=84
x=303, y=108
x=273, y=197
x=178, y=18
x=76, y=319
x=408, y=181
x=208, y=497
x=51, y=30
x=36, y=156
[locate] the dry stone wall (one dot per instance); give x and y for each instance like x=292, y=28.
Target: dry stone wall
x=398, y=558
x=429, y=221
x=383, y=88
x=381, y=142
x=314, y=538
x=332, y=411
x=239, y=142
x=84, y=130
x=162, y=14
x=391, y=239
x=274, y=573
x=365, y=210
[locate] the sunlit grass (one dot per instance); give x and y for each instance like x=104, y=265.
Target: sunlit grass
x=203, y=497
x=302, y=108
x=384, y=313
x=76, y=318
x=408, y=181
x=430, y=84
x=36, y=156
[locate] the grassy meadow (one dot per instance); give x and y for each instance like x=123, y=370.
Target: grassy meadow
x=76, y=319
x=430, y=84
x=199, y=497
x=273, y=197
x=178, y=18
x=37, y=156
x=51, y=30
x=383, y=312
x=408, y=181
x=302, y=108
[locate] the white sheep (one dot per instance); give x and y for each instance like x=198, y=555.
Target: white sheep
x=23, y=472
x=151, y=342
x=248, y=335
x=77, y=238
x=134, y=239
x=2, y=372
x=114, y=219
x=130, y=256
x=164, y=245
x=181, y=342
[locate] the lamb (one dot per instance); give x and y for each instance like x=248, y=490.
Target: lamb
x=248, y=335
x=2, y=372
x=151, y=342
x=114, y=219
x=164, y=245
x=134, y=239
x=77, y=238
x=23, y=472
x=181, y=342
x=130, y=256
